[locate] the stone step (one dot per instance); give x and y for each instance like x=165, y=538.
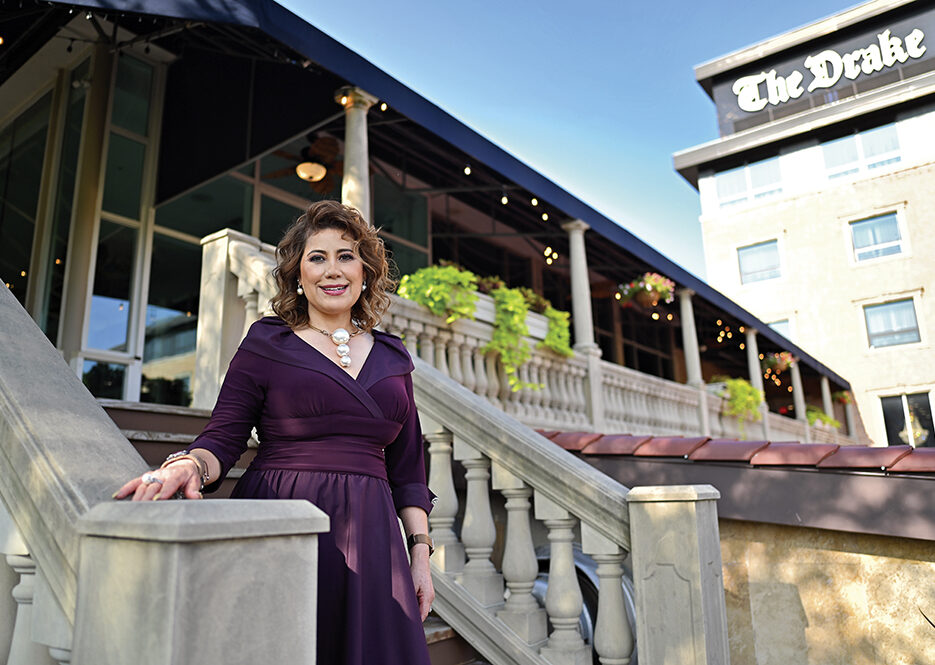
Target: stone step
x=446, y=647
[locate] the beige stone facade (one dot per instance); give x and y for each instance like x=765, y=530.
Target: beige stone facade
x=822, y=290
x=800, y=595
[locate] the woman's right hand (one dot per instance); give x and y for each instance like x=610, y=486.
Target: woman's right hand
x=165, y=482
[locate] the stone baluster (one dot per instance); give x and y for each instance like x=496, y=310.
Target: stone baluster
x=507, y=396
x=427, y=345
x=493, y=379
x=480, y=371
x=563, y=380
x=521, y=612
x=479, y=577
x=23, y=651
x=523, y=396
x=442, y=337
x=454, y=357
x=50, y=627
x=581, y=400
x=468, y=378
x=563, y=600
x=251, y=304
x=410, y=334
x=550, y=375
x=449, y=552
x=613, y=637
x=541, y=397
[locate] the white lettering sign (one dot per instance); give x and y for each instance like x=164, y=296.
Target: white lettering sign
x=826, y=68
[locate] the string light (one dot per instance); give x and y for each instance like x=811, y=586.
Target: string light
x=555, y=255
x=548, y=250
x=545, y=217
x=22, y=273
x=504, y=200
x=344, y=100
x=655, y=316
x=58, y=262
x=1, y=41
x=741, y=329
x=669, y=316
x=467, y=169
x=719, y=322
x=742, y=347
x=383, y=106
x=789, y=389
x=534, y=201
x=762, y=356
x=548, y=261
x=617, y=295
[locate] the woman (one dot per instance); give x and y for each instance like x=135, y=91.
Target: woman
x=331, y=398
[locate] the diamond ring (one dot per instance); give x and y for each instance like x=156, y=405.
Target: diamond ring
x=149, y=478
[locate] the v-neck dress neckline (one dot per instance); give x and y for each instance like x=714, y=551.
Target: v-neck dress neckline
x=363, y=365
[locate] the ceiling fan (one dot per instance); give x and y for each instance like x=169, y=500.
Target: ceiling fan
x=317, y=164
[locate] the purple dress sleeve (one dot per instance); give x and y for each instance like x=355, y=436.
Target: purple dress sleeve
x=236, y=413
x=405, y=462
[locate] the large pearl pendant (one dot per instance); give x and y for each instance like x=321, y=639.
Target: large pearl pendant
x=340, y=336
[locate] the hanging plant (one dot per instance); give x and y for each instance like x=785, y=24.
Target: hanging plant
x=488, y=284
x=842, y=397
x=743, y=401
x=647, y=290
x=816, y=415
x=558, y=337
x=777, y=362
x=447, y=291
x=509, y=334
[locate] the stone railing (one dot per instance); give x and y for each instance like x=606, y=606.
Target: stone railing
x=88, y=580
x=577, y=393
x=680, y=618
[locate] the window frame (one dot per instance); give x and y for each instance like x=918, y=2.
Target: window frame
x=751, y=195
x=898, y=298
x=740, y=272
x=904, y=243
x=863, y=164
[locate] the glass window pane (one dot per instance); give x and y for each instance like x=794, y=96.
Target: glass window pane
x=110, y=302
x=920, y=418
x=876, y=237
x=879, y=141
x=765, y=174
x=892, y=323
x=838, y=154
x=131, y=94
x=894, y=419
x=225, y=203
x=104, y=379
x=171, y=322
x=124, y=176
x=275, y=218
x=22, y=153
x=731, y=185
x=782, y=327
x=401, y=213
x=759, y=262
x=64, y=197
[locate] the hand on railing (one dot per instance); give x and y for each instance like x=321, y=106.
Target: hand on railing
x=182, y=478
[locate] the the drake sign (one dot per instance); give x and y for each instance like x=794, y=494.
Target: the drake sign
x=825, y=69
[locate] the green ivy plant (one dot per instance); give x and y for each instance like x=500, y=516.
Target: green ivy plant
x=447, y=291
x=509, y=334
x=743, y=401
x=558, y=337
x=816, y=415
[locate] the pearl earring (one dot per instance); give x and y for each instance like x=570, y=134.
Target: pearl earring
x=363, y=286
x=299, y=289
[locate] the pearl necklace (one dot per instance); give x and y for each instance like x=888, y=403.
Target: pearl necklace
x=340, y=337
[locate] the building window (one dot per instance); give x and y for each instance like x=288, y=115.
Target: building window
x=892, y=323
x=876, y=237
x=747, y=183
x=758, y=262
x=908, y=420
x=781, y=326
x=865, y=151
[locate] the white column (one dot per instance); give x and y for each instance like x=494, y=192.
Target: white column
x=355, y=187
x=756, y=375
x=826, y=404
x=693, y=357
x=580, y=286
x=798, y=398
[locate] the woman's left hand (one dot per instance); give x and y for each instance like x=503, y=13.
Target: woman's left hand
x=422, y=578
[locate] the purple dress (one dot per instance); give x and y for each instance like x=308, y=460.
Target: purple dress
x=353, y=447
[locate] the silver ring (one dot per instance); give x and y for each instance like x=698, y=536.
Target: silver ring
x=148, y=479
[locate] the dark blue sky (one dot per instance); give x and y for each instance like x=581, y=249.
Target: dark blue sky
x=595, y=94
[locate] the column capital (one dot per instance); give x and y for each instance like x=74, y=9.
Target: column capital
x=685, y=293
x=351, y=96
x=574, y=225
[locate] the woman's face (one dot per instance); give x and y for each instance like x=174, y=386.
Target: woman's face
x=332, y=274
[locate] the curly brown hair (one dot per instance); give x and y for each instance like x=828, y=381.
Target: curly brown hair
x=373, y=302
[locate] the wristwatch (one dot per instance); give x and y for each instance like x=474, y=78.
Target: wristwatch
x=424, y=538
